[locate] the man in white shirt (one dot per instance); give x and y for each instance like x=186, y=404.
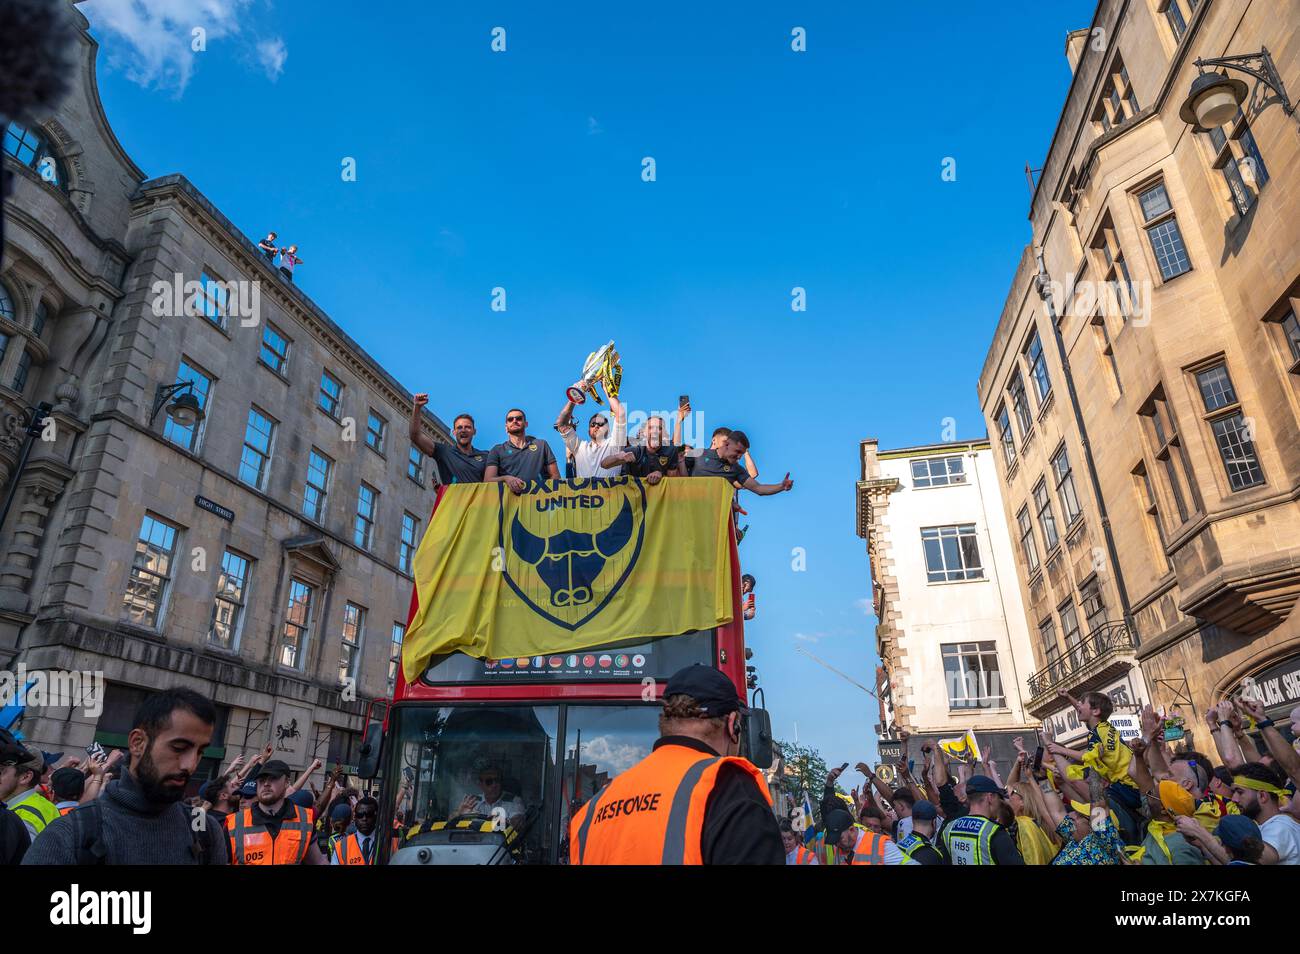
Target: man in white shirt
x=601, y=442
x=493, y=797
x=1256, y=788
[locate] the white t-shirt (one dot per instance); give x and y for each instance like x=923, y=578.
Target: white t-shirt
x=1283, y=833
x=587, y=455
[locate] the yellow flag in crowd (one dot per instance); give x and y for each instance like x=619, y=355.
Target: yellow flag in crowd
x=964, y=748
x=1109, y=757
x=569, y=565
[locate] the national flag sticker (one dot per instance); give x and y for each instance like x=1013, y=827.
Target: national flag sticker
x=555, y=662
x=589, y=660
x=605, y=662
x=571, y=662
x=621, y=661
x=638, y=660
x=507, y=664
x=489, y=664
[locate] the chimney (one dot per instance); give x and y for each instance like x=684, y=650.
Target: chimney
x=1075, y=46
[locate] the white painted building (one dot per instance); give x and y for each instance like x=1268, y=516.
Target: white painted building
x=951, y=635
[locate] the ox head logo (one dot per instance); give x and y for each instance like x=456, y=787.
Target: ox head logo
x=567, y=559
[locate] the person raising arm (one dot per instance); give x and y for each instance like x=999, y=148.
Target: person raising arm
x=725, y=462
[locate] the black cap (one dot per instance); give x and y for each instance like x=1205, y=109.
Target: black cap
x=837, y=822
x=982, y=784
x=714, y=692
x=273, y=767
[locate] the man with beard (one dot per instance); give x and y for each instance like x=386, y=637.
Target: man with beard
x=358, y=847
x=726, y=462
x=652, y=460
x=275, y=830
x=521, y=459
x=1257, y=790
x=461, y=463
x=139, y=819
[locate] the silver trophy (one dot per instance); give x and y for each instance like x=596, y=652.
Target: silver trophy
x=602, y=365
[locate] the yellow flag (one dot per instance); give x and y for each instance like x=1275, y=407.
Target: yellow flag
x=1108, y=756
x=964, y=748
x=569, y=565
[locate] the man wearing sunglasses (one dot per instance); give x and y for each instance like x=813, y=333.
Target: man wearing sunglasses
x=358, y=847
x=494, y=800
x=589, y=456
x=521, y=459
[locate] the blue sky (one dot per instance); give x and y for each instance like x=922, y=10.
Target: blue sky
x=522, y=170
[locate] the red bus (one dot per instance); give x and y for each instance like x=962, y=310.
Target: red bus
x=484, y=761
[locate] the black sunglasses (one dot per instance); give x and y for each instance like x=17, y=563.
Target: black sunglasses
x=513, y=418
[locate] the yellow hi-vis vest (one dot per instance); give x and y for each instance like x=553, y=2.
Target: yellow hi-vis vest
x=35, y=809
x=968, y=840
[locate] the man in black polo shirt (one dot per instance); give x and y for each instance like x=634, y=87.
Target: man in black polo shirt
x=521, y=459
x=653, y=460
x=459, y=464
x=725, y=462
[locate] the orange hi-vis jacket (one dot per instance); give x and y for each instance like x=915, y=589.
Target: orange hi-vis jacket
x=347, y=850
x=652, y=814
x=252, y=844
x=869, y=848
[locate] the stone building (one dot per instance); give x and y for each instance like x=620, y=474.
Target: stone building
x=1171, y=254
x=259, y=553
x=951, y=632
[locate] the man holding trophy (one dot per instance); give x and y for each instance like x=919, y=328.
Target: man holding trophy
x=603, y=440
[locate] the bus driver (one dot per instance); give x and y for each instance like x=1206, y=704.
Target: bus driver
x=493, y=798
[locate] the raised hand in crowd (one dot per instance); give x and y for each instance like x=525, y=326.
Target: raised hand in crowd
x=1283, y=754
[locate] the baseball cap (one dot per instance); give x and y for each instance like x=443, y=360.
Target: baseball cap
x=982, y=784
x=341, y=811
x=68, y=783
x=924, y=811
x=273, y=767
x=713, y=691
x=210, y=790
x=836, y=823
x=248, y=790
x=1233, y=830
x=303, y=798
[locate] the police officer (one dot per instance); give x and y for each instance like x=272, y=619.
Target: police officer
x=459, y=463
x=919, y=845
x=520, y=459
x=692, y=800
x=975, y=838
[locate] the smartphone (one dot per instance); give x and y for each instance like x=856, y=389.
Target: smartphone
x=96, y=751
x=1038, y=758
x=844, y=766
x=683, y=400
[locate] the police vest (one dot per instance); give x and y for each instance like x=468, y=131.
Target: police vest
x=869, y=849
x=252, y=844
x=652, y=814
x=912, y=841
x=968, y=840
x=347, y=850
x=37, y=810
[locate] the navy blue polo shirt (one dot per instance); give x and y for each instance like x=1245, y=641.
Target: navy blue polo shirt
x=711, y=465
x=646, y=461
x=457, y=467
x=529, y=462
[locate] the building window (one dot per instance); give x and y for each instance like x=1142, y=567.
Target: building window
x=1047, y=639
x=151, y=572
x=255, y=461
x=275, y=349
x=1027, y=545
x=415, y=465
x=410, y=540
x=1038, y=367
x=1151, y=507
x=1016, y=387
x=354, y=627
x=1046, y=520
x=1094, y=608
x=319, y=468
x=24, y=369
x=1005, y=435
x=1065, y=493
x=331, y=395
x=951, y=553
x=1070, y=630
x=1162, y=430
x=375, y=428
x=1118, y=103
x=33, y=150
x=297, y=624
x=1232, y=435
x=1107, y=351
x=39, y=318
x=6, y=304
x=1174, y=17
x=190, y=437
x=363, y=528
x=232, y=592
x=1114, y=270
x=4, y=346
x=214, y=299
x=1291, y=332
x=971, y=671
x=1162, y=231
x=938, y=471
x=395, y=655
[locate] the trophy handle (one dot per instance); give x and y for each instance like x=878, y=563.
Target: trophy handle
x=575, y=395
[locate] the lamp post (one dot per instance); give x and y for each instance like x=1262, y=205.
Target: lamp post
x=1214, y=98
x=184, y=410
x=36, y=418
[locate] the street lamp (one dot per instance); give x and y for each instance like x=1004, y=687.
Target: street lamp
x=1215, y=97
x=184, y=410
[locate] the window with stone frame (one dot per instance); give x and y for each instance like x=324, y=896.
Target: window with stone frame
x=1106, y=351
x=1028, y=546
x=1117, y=103
x=1094, y=607
x=1065, y=492
x=1046, y=519
x=190, y=436
x=376, y=431
x=1005, y=436
x=1177, y=14
x=1019, y=402
x=149, y=583
x=296, y=630
x=230, y=601
x=1161, y=225
x=354, y=629
x=1071, y=633
x=214, y=298
x=1037, y=365
x=330, y=398
x=1150, y=507
x=32, y=147
x=1233, y=151
x=259, y=444
x=1290, y=329
x=1048, y=642
x=395, y=655
x=315, y=491
x=1108, y=259
x=274, y=352
x=415, y=465
x=363, y=526
x=1177, y=479
x=1233, y=433
x=409, y=542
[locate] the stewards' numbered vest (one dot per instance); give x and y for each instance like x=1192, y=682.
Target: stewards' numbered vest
x=252, y=844
x=652, y=814
x=37, y=810
x=968, y=838
x=869, y=849
x=347, y=850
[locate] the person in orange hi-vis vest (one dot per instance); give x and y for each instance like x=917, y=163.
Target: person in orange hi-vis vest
x=691, y=801
x=359, y=847
x=858, y=844
x=273, y=830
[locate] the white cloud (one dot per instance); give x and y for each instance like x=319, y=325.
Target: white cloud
x=153, y=41
x=593, y=127
x=809, y=637
x=864, y=605
x=272, y=54
x=610, y=756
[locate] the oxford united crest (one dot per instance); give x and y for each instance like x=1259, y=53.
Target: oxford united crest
x=570, y=550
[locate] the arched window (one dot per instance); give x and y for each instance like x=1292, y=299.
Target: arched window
x=6, y=303
x=33, y=150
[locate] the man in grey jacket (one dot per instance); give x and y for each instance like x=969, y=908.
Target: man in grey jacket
x=140, y=819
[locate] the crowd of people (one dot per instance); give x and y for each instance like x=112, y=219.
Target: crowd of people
x=1144, y=801
x=130, y=807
